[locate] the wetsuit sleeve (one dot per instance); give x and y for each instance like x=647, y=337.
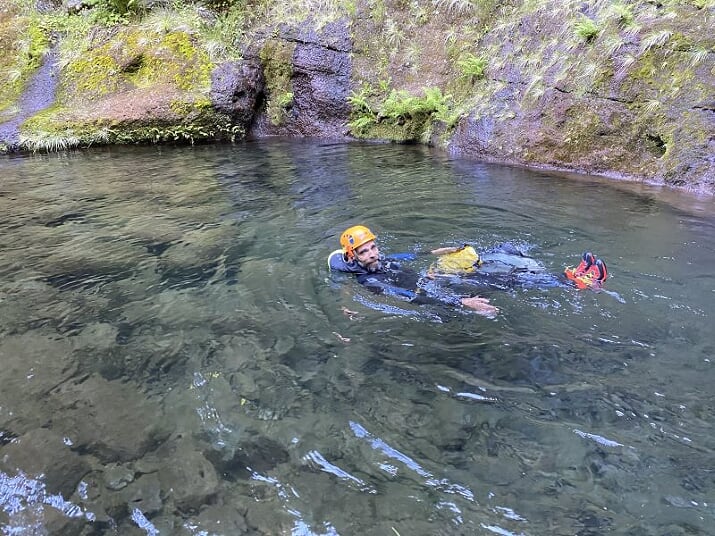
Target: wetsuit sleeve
x=403, y=256
x=401, y=283
x=337, y=263
x=392, y=280
x=375, y=283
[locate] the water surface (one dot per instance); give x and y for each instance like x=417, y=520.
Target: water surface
x=176, y=358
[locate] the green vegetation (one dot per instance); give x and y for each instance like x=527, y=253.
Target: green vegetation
x=136, y=58
x=655, y=39
x=471, y=66
x=624, y=14
x=277, y=59
x=48, y=131
x=399, y=116
x=220, y=5
x=24, y=43
x=586, y=29
x=460, y=7
x=418, y=68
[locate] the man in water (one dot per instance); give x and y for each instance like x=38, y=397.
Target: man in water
x=360, y=255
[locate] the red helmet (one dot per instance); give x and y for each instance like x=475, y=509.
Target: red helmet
x=354, y=237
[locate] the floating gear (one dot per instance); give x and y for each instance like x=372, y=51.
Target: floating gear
x=590, y=273
x=464, y=260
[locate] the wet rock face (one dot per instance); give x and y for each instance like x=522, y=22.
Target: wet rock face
x=320, y=83
x=236, y=88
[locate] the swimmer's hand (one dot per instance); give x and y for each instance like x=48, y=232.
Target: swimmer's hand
x=481, y=306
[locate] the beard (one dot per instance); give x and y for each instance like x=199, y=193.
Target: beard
x=374, y=267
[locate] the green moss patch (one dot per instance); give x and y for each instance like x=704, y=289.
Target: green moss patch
x=277, y=60
x=137, y=58
x=57, y=128
x=23, y=44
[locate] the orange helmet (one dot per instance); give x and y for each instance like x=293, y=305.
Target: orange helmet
x=354, y=237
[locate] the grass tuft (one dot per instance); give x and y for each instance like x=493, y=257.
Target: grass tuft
x=460, y=7
x=655, y=40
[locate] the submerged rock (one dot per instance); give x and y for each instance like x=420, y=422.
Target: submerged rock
x=36, y=453
x=187, y=477
x=111, y=420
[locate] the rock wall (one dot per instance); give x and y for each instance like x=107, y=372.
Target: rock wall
x=619, y=90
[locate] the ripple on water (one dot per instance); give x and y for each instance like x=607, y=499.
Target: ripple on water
x=175, y=353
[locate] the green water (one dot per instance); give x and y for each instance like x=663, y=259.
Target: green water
x=176, y=358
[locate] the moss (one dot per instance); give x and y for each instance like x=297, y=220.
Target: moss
x=646, y=68
x=137, y=58
x=23, y=43
x=50, y=130
x=192, y=67
x=95, y=75
x=39, y=44
x=579, y=132
x=277, y=60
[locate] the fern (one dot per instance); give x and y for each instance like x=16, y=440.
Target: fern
x=586, y=29
x=624, y=14
x=472, y=66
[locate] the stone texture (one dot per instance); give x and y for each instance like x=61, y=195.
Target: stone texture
x=36, y=453
x=633, y=102
x=236, y=88
x=109, y=419
x=187, y=477
x=320, y=82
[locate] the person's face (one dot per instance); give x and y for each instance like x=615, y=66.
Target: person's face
x=368, y=255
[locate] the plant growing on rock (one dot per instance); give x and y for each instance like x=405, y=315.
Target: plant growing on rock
x=460, y=7
x=362, y=112
x=624, y=14
x=276, y=58
x=401, y=116
x=655, y=39
x=220, y=5
x=115, y=10
x=472, y=66
x=586, y=29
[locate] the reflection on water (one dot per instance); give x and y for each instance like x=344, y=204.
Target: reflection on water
x=177, y=359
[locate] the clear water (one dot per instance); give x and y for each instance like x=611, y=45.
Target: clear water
x=176, y=359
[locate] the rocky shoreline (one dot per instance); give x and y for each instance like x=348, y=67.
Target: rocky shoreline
x=633, y=100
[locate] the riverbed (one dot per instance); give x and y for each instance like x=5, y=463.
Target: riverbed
x=177, y=358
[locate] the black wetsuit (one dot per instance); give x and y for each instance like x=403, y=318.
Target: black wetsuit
x=390, y=278
x=503, y=267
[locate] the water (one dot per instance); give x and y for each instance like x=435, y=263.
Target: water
x=177, y=359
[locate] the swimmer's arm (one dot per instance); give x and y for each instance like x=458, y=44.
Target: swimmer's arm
x=445, y=250
x=413, y=256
